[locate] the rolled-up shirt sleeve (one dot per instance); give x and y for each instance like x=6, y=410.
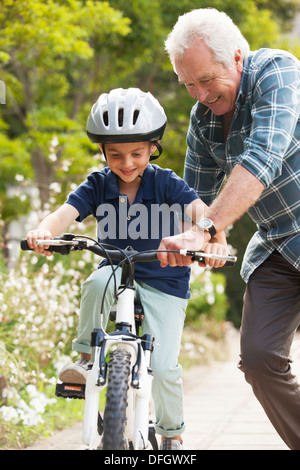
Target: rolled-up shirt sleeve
x=275, y=113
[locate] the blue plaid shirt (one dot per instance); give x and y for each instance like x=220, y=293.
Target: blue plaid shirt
x=264, y=138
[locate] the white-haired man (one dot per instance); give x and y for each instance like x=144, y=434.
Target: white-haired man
x=245, y=126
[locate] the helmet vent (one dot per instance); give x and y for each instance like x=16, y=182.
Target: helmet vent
x=105, y=118
x=135, y=115
x=120, y=117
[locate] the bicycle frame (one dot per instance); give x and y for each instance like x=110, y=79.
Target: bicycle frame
x=139, y=392
x=124, y=338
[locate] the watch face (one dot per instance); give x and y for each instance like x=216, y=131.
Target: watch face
x=205, y=223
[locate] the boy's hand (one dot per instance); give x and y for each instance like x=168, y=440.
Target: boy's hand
x=34, y=235
x=217, y=249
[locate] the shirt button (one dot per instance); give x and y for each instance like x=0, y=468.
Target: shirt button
x=128, y=218
x=122, y=199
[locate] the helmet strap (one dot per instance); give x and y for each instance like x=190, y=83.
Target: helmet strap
x=159, y=148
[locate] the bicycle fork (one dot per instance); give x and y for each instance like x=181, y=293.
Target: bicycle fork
x=139, y=393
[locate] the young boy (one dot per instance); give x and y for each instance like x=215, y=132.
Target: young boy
x=135, y=203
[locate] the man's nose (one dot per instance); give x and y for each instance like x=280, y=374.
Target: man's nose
x=201, y=93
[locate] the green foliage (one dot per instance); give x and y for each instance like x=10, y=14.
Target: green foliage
x=39, y=303
x=51, y=53
x=208, y=305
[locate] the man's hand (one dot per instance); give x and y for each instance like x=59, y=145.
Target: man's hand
x=189, y=240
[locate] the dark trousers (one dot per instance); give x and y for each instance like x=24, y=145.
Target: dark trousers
x=271, y=317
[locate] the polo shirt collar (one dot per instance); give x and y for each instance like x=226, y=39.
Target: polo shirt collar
x=145, y=191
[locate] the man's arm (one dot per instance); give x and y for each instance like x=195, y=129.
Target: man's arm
x=238, y=195
x=240, y=192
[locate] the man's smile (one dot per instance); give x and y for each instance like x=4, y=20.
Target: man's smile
x=214, y=100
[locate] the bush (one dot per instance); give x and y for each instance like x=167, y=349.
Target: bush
x=208, y=305
x=205, y=334
x=39, y=303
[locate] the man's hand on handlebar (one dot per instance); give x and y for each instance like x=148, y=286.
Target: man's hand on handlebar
x=190, y=240
x=34, y=235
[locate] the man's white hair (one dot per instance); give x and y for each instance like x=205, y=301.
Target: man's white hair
x=215, y=28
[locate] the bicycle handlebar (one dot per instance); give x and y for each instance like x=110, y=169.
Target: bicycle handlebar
x=68, y=242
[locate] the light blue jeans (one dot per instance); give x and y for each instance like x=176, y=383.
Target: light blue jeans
x=164, y=319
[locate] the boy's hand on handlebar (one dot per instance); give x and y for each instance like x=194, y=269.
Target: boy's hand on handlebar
x=190, y=240
x=216, y=249
x=34, y=235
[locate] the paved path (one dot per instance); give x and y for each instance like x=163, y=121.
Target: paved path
x=221, y=413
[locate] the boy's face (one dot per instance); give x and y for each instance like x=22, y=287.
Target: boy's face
x=129, y=160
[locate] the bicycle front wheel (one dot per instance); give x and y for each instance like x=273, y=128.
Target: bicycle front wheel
x=114, y=421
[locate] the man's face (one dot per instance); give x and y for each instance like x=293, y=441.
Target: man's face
x=209, y=81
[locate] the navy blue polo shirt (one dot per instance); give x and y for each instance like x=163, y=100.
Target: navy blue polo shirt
x=156, y=212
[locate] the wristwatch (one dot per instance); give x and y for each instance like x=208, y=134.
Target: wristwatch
x=207, y=225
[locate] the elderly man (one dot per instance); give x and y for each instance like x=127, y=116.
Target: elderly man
x=245, y=126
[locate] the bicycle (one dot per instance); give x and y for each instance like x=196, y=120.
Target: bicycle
x=127, y=373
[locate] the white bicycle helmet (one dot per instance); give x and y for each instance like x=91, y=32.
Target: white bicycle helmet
x=126, y=116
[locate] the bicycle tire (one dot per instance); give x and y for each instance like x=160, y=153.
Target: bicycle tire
x=114, y=420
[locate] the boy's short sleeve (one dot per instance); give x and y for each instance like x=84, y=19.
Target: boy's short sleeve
x=85, y=198
x=178, y=191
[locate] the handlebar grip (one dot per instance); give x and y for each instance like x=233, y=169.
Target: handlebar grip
x=24, y=245
x=63, y=250
x=229, y=263
x=201, y=259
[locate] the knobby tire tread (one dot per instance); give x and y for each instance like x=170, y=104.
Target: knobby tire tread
x=114, y=421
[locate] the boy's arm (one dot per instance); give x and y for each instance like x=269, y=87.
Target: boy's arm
x=53, y=225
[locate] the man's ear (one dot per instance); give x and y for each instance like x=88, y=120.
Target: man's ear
x=238, y=59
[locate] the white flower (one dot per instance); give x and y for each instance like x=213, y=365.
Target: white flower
x=54, y=142
x=9, y=414
x=31, y=390
x=52, y=157
x=19, y=178
x=220, y=288
x=56, y=187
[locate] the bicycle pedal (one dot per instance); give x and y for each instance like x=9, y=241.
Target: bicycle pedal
x=65, y=390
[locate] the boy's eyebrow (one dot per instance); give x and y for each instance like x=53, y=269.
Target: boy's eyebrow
x=112, y=149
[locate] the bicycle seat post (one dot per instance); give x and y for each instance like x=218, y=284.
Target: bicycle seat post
x=125, y=305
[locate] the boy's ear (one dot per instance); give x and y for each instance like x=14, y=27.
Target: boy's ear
x=153, y=148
